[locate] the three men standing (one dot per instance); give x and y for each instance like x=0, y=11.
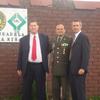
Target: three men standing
x=34, y=65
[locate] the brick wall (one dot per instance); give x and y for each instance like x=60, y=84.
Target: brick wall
x=48, y=18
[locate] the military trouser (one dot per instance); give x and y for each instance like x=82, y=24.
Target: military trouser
x=60, y=88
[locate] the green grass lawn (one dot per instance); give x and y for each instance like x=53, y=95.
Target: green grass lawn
x=94, y=98
x=10, y=98
x=18, y=98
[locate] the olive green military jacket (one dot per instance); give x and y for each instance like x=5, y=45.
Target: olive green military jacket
x=60, y=55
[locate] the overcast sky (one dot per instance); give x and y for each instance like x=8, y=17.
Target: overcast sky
x=89, y=0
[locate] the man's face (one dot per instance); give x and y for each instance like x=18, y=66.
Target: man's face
x=60, y=30
x=33, y=27
x=76, y=26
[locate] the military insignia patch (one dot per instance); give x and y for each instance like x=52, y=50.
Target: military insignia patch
x=64, y=44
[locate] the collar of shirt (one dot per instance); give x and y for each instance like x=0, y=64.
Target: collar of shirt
x=76, y=34
x=61, y=37
x=32, y=35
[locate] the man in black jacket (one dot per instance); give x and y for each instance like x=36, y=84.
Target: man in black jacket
x=79, y=57
x=33, y=62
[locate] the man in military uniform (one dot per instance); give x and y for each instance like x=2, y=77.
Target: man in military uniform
x=61, y=49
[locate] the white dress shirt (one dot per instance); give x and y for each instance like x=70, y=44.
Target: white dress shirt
x=38, y=49
x=76, y=35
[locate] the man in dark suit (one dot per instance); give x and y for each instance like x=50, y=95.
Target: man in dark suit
x=61, y=50
x=33, y=62
x=79, y=57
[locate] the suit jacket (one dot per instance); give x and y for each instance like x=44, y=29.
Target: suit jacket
x=24, y=50
x=79, y=54
x=60, y=53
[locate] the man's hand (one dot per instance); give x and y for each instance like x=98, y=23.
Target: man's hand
x=81, y=71
x=19, y=72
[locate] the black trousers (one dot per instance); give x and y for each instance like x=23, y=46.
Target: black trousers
x=35, y=73
x=78, y=87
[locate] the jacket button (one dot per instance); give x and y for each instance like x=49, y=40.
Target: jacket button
x=57, y=52
x=57, y=61
x=57, y=57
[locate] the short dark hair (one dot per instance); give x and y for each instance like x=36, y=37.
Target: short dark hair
x=77, y=20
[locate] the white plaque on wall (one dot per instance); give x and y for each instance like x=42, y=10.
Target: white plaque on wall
x=13, y=24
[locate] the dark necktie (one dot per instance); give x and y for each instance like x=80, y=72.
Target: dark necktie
x=70, y=55
x=34, y=48
x=73, y=40
x=59, y=39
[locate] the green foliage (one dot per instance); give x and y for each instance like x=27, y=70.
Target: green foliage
x=18, y=98
x=10, y=98
x=94, y=98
